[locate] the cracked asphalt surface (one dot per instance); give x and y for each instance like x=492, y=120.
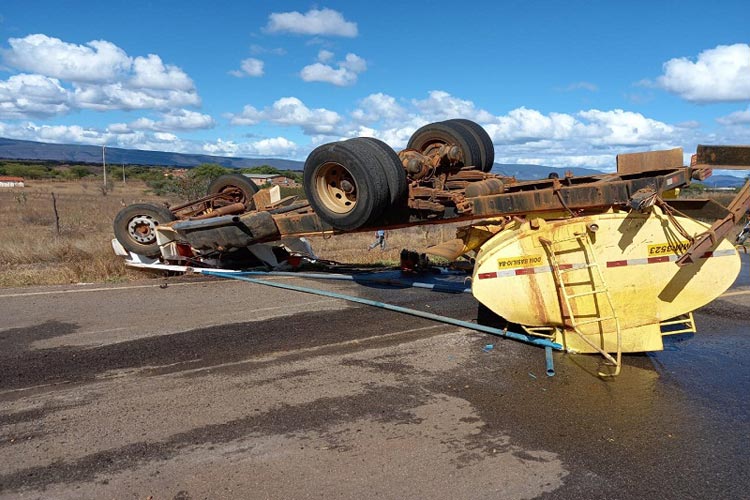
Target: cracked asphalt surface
x=221, y=389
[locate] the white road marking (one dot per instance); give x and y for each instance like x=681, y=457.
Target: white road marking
x=129, y=287
x=84, y=290
x=732, y=294
x=279, y=355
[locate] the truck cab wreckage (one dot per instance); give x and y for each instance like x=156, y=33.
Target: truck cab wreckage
x=602, y=264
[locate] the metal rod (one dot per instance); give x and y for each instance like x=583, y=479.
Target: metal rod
x=550, y=362
x=444, y=319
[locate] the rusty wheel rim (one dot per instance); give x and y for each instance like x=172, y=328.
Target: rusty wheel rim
x=142, y=229
x=336, y=188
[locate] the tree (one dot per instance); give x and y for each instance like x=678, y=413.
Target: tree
x=195, y=184
x=79, y=171
x=207, y=171
x=262, y=169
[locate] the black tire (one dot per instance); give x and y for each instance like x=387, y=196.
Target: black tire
x=135, y=227
x=343, y=187
x=238, y=186
x=394, y=171
x=435, y=134
x=487, y=149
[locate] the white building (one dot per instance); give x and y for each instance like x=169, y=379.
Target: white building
x=11, y=182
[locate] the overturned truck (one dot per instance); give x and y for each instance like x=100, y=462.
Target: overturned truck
x=601, y=264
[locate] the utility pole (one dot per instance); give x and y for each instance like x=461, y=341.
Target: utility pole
x=104, y=165
x=123, y=173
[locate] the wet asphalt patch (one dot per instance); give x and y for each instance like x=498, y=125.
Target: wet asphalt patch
x=23, y=366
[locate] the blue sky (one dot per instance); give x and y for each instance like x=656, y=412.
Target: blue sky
x=559, y=83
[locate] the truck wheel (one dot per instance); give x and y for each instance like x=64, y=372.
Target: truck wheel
x=487, y=149
x=238, y=187
x=345, y=185
x=135, y=227
x=395, y=173
x=434, y=135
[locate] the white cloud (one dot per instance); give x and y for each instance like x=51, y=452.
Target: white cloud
x=98, y=75
x=119, y=96
x=177, y=120
x=151, y=73
x=290, y=111
x=248, y=116
x=221, y=147
x=165, y=136
x=119, y=128
x=325, y=56
x=625, y=128
x=249, y=67
x=524, y=125
x=23, y=96
x=377, y=107
x=588, y=138
x=274, y=146
x=344, y=75
x=440, y=105
x=721, y=74
x=51, y=133
x=184, y=119
x=736, y=118
x=97, y=61
x=115, y=135
x=314, y=22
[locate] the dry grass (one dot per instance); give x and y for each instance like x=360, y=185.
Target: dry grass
x=353, y=248
x=33, y=253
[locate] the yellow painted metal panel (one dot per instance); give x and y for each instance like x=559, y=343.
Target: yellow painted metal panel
x=636, y=254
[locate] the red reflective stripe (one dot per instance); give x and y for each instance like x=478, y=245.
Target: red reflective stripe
x=617, y=263
x=521, y=272
x=707, y=255
x=656, y=260
x=565, y=266
x=484, y=276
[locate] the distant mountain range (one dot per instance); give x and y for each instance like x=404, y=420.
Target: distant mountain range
x=524, y=172
x=723, y=181
x=13, y=149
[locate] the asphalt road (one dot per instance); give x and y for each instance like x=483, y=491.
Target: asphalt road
x=221, y=389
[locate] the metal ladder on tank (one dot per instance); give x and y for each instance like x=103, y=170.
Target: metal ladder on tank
x=599, y=288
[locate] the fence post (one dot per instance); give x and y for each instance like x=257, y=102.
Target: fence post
x=57, y=216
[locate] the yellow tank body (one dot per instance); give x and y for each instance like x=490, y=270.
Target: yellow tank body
x=626, y=260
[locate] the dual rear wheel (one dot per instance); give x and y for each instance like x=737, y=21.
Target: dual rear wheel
x=361, y=182
x=475, y=144
x=351, y=184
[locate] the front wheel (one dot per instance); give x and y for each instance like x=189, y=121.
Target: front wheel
x=135, y=227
